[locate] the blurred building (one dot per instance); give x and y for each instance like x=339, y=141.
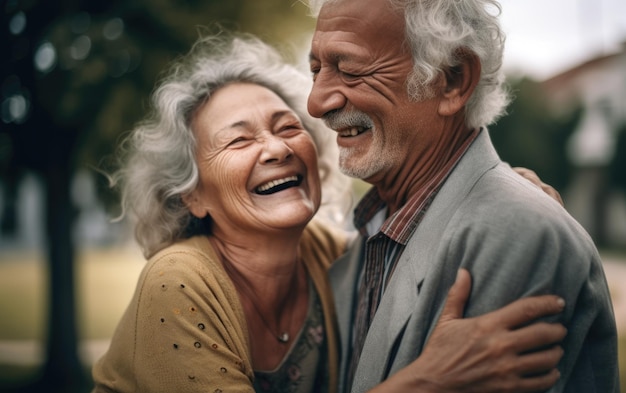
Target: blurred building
x=597, y=87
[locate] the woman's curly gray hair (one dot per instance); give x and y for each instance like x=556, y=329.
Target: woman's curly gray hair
x=157, y=159
x=438, y=31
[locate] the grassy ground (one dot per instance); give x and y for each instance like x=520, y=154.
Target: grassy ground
x=105, y=283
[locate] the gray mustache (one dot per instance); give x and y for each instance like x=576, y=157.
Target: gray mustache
x=338, y=120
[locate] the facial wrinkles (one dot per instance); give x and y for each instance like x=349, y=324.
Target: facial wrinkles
x=361, y=29
x=382, y=83
x=371, y=51
x=219, y=141
x=374, y=68
x=229, y=172
x=385, y=94
x=207, y=153
x=216, y=183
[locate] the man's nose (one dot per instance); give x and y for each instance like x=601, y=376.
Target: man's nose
x=326, y=95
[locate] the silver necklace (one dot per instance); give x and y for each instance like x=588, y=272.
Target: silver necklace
x=283, y=337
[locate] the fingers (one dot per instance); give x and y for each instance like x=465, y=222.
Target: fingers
x=552, y=192
x=529, y=175
x=538, y=335
x=539, y=383
x=457, y=296
x=532, y=177
x=526, y=310
x=540, y=362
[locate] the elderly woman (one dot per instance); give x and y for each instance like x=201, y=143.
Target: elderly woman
x=224, y=180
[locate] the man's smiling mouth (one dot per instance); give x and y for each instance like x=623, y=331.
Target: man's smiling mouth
x=274, y=186
x=353, y=131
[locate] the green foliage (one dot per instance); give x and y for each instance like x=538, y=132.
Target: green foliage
x=95, y=93
x=531, y=136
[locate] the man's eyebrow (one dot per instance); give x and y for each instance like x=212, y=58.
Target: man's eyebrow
x=333, y=56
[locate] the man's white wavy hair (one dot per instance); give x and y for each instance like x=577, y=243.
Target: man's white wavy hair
x=438, y=31
x=157, y=159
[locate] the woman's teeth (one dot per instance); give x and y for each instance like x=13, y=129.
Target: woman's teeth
x=275, y=183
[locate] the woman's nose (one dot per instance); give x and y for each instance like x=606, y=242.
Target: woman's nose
x=275, y=149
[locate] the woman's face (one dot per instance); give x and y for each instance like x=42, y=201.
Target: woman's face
x=257, y=163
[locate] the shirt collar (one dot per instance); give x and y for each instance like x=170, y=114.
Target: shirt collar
x=372, y=210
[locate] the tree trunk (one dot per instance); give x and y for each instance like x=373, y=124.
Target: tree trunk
x=599, y=207
x=62, y=371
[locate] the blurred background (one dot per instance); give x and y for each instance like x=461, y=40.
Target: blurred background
x=76, y=75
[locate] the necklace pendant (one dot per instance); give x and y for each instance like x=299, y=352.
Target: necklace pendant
x=283, y=338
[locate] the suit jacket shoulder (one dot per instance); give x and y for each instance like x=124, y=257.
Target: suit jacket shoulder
x=516, y=242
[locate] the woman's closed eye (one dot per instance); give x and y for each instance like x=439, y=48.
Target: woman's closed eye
x=238, y=141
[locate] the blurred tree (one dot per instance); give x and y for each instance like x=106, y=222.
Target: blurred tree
x=530, y=136
x=39, y=144
x=76, y=75
x=618, y=164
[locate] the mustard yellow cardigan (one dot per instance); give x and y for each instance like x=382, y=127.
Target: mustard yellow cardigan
x=185, y=329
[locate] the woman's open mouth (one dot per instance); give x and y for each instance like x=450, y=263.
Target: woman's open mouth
x=278, y=185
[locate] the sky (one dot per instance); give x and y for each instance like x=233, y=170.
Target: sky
x=546, y=37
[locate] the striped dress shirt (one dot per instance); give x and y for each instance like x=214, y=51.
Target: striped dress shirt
x=386, y=239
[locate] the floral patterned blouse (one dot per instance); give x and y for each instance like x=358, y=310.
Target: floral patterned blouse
x=302, y=369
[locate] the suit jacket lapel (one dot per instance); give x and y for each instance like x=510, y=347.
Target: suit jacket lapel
x=344, y=276
x=402, y=300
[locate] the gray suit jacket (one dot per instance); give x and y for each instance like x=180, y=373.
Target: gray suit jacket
x=516, y=241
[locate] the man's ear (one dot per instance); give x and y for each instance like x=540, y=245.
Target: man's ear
x=194, y=204
x=459, y=83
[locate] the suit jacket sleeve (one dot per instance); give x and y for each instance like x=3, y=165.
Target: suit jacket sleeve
x=517, y=243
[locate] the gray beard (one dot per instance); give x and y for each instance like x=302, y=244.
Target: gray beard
x=362, y=172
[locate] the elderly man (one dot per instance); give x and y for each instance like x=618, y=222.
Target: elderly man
x=410, y=86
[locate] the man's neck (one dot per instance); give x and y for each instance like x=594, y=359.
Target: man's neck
x=420, y=173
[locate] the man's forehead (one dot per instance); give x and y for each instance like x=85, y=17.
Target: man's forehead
x=374, y=13
x=350, y=22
